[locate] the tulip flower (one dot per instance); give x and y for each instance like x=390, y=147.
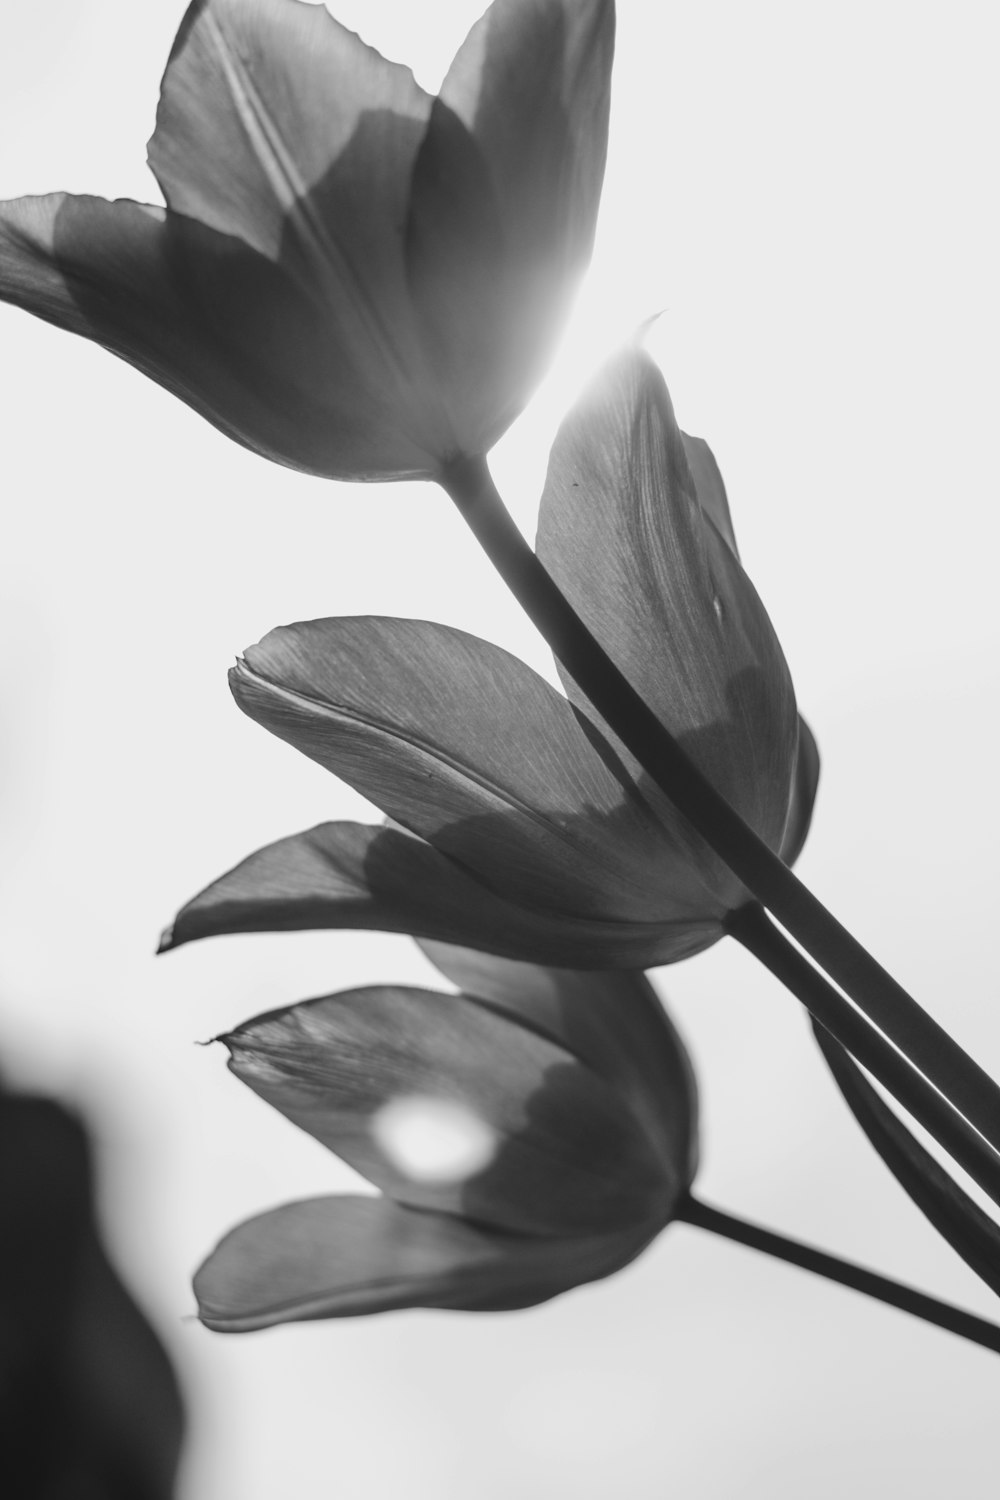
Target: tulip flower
x=350, y=276
x=523, y=826
x=532, y=1133
x=529, y=1134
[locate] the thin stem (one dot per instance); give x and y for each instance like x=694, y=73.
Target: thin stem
x=846, y=1272
x=752, y=927
x=928, y=1045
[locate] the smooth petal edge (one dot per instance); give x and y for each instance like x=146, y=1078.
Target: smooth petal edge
x=566, y=1154
x=805, y=784
x=625, y=532
x=468, y=747
x=396, y=886
x=489, y=1271
x=107, y=270
x=613, y=1021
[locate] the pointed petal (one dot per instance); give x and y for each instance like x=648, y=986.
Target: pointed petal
x=804, y=786
x=709, y=486
x=279, y=125
x=970, y=1232
x=614, y=1022
x=208, y=318
x=622, y=531
x=504, y=202
x=340, y=1257
x=534, y=1140
x=466, y=746
x=352, y=875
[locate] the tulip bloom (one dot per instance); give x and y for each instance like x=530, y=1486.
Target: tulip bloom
x=523, y=825
x=350, y=276
x=570, y=1100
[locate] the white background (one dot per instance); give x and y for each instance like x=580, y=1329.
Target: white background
x=808, y=195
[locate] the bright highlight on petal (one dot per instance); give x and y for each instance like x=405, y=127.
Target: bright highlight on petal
x=350, y=277
x=529, y=1134
x=434, y=1140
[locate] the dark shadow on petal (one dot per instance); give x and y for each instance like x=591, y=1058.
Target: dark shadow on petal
x=603, y=1182
x=673, y=875
x=573, y=937
x=293, y=357
x=534, y=1140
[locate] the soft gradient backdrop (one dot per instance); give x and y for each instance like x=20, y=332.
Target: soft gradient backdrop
x=807, y=196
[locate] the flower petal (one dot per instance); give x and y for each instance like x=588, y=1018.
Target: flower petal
x=278, y=125
x=465, y=745
x=551, y=1148
x=614, y=1022
x=340, y=1257
x=709, y=487
x=504, y=202
x=804, y=786
x=208, y=318
x=353, y=875
x=622, y=531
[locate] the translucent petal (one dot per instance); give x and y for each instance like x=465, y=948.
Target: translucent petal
x=466, y=746
x=614, y=1022
x=340, y=1257
x=278, y=125
x=566, y=1155
x=622, y=530
x=353, y=875
x=212, y=321
x=504, y=203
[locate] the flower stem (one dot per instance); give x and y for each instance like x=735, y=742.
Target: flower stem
x=916, y=1034
x=883, y=1288
x=752, y=927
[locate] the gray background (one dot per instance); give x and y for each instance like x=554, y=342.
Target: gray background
x=808, y=195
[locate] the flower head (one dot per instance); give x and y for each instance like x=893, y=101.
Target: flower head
x=350, y=276
x=570, y=1105
x=523, y=826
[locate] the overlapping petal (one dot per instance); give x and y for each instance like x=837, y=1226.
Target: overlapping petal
x=504, y=203
x=614, y=1022
x=805, y=782
x=626, y=535
x=528, y=794
x=462, y=743
x=584, y=1093
x=567, y=1157
x=336, y=272
x=209, y=318
x=355, y=875
x=346, y=1256
x=279, y=126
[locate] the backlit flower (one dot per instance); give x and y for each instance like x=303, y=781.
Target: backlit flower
x=530, y=1134
x=523, y=826
x=350, y=276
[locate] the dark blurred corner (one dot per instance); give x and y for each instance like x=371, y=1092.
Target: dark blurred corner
x=90, y=1407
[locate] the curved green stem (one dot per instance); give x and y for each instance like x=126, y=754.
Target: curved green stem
x=846, y=1272
x=886, y=1003
x=752, y=927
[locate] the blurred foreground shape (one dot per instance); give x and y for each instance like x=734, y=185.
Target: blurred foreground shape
x=90, y=1407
